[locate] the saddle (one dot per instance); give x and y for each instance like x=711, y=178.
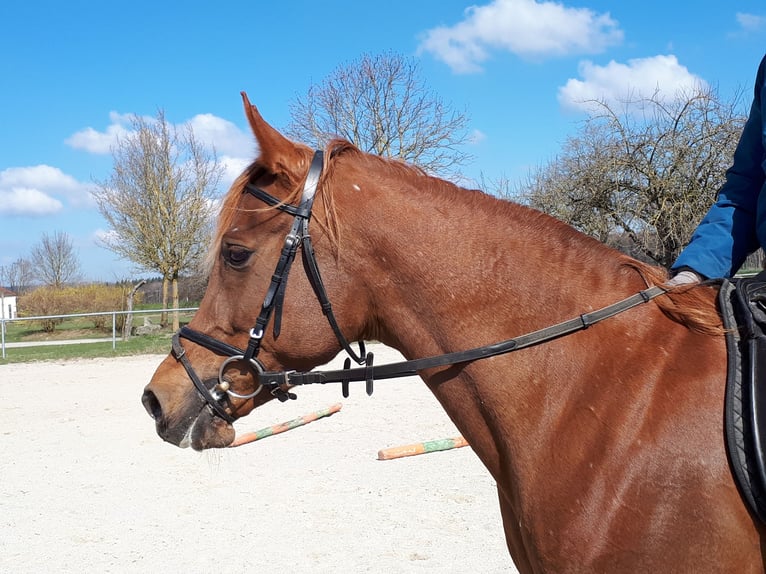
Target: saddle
x=742, y=303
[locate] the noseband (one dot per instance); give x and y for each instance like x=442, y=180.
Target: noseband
x=217, y=392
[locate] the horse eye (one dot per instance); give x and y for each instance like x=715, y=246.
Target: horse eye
x=236, y=256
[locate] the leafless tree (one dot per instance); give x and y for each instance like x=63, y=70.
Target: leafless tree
x=381, y=104
x=648, y=171
x=55, y=260
x=159, y=200
x=18, y=276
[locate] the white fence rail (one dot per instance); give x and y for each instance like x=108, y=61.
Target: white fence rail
x=4, y=344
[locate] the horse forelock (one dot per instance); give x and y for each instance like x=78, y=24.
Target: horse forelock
x=230, y=205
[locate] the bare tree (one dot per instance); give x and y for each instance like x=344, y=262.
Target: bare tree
x=648, y=172
x=18, y=276
x=381, y=104
x=158, y=200
x=55, y=260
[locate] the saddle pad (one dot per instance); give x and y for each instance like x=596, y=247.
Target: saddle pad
x=741, y=412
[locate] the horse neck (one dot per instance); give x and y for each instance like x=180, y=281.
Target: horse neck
x=447, y=269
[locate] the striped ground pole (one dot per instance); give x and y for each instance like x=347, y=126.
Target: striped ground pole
x=421, y=448
x=249, y=437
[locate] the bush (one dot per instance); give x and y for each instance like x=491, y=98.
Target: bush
x=97, y=298
x=46, y=301
x=94, y=298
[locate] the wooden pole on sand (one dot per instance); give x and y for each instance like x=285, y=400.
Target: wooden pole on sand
x=421, y=448
x=249, y=437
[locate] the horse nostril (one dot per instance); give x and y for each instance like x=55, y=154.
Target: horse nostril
x=152, y=405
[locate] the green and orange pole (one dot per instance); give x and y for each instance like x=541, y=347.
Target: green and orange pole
x=421, y=448
x=249, y=437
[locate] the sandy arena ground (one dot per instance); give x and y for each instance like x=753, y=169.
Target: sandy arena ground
x=87, y=486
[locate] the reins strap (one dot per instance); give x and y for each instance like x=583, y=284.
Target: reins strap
x=412, y=367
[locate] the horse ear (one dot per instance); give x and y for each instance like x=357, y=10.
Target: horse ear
x=277, y=153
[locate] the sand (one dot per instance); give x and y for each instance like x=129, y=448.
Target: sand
x=87, y=486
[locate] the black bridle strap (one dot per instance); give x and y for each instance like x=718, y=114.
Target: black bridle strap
x=298, y=237
x=312, y=271
x=272, y=302
x=210, y=343
x=212, y=400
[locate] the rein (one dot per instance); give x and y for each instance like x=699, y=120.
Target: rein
x=216, y=392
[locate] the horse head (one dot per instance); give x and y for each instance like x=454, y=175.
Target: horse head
x=239, y=333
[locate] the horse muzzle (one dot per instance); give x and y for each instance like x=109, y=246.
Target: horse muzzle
x=182, y=416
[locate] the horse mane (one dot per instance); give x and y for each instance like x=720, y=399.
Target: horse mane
x=446, y=191
x=693, y=306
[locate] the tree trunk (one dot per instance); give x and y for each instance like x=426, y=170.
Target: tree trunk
x=164, y=315
x=128, y=324
x=176, y=321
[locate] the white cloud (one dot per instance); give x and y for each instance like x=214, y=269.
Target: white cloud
x=232, y=168
x=526, y=28
x=235, y=148
x=93, y=141
x=751, y=22
x=27, y=201
x=37, y=190
x=43, y=176
x=211, y=131
x=222, y=134
x=102, y=236
x=618, y=83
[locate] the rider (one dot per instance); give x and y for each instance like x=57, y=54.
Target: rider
x=735, y=226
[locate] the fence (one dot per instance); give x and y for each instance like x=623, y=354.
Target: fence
x=113, y=314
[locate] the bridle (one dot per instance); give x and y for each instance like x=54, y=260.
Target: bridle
x=217, y=392
x=297, y=237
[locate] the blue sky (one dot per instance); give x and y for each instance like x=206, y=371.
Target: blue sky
x=71, y=73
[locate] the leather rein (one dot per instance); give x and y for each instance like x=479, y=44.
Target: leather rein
x=217, y=392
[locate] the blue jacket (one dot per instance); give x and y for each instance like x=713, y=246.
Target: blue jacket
x=735, y=226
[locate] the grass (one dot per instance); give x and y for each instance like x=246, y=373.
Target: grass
x=73, y=328
x=82, y=328
x=148, y=344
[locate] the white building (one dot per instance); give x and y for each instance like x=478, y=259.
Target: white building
x=7, y=304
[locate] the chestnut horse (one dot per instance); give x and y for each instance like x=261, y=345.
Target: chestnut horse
x=606, y=444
